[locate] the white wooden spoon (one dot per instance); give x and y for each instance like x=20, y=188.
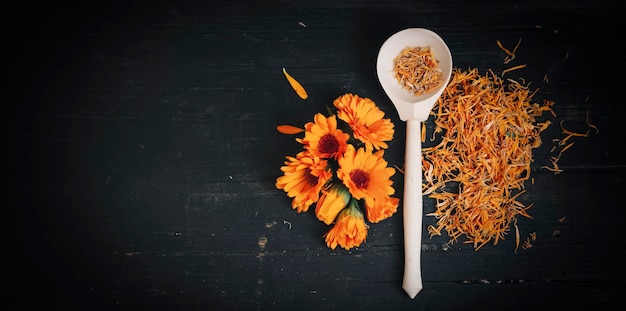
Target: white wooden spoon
x=414, y=110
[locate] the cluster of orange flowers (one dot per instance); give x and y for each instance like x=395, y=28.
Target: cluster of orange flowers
x=343, y=174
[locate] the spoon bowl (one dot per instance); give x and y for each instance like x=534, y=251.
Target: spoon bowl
x=414, y=110
x=408, y=105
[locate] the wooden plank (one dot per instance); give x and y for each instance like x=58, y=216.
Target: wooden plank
x=141, y=154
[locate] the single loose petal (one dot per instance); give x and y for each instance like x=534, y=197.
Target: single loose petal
x=289, y=129
x=296, y=85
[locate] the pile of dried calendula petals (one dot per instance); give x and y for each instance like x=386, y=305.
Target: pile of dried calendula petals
x=477, y=171
x=486, y=129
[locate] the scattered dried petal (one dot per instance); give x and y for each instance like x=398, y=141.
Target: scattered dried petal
x=513, y=68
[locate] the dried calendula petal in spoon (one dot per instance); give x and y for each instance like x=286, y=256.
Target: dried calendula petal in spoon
x=417, y=70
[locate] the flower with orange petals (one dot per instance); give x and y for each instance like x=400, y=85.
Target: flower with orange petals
x=347, y=182
x=366, y=174
x=331, y=203
x=350, y=230
x=381, y=208
x=366, y=120
x=323, y=139
x=304, y=176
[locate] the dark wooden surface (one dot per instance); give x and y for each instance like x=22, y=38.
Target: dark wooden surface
x=140, y=153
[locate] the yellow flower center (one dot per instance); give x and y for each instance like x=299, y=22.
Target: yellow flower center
x=328, y=144
x=360, y=178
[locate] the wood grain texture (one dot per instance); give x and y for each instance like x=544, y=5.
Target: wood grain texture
x=141, y=151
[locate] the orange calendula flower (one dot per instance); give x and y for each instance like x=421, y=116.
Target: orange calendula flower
x=366, y=174
x=350, y=230
x=323, y=139
x=304, y=177
x=366, y=120
x=331, y=203
x=381, y=208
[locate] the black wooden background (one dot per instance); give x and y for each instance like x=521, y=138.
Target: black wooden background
x=140, y=153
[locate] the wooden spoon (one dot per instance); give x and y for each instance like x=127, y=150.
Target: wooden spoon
x=414, y=110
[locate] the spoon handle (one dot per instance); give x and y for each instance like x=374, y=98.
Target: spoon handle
x=412, y=209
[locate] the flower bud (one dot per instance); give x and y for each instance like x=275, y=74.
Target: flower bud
x=350, y=230
x=332, y=201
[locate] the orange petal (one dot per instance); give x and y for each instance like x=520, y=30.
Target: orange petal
x=296, y=85
x=289, y=129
